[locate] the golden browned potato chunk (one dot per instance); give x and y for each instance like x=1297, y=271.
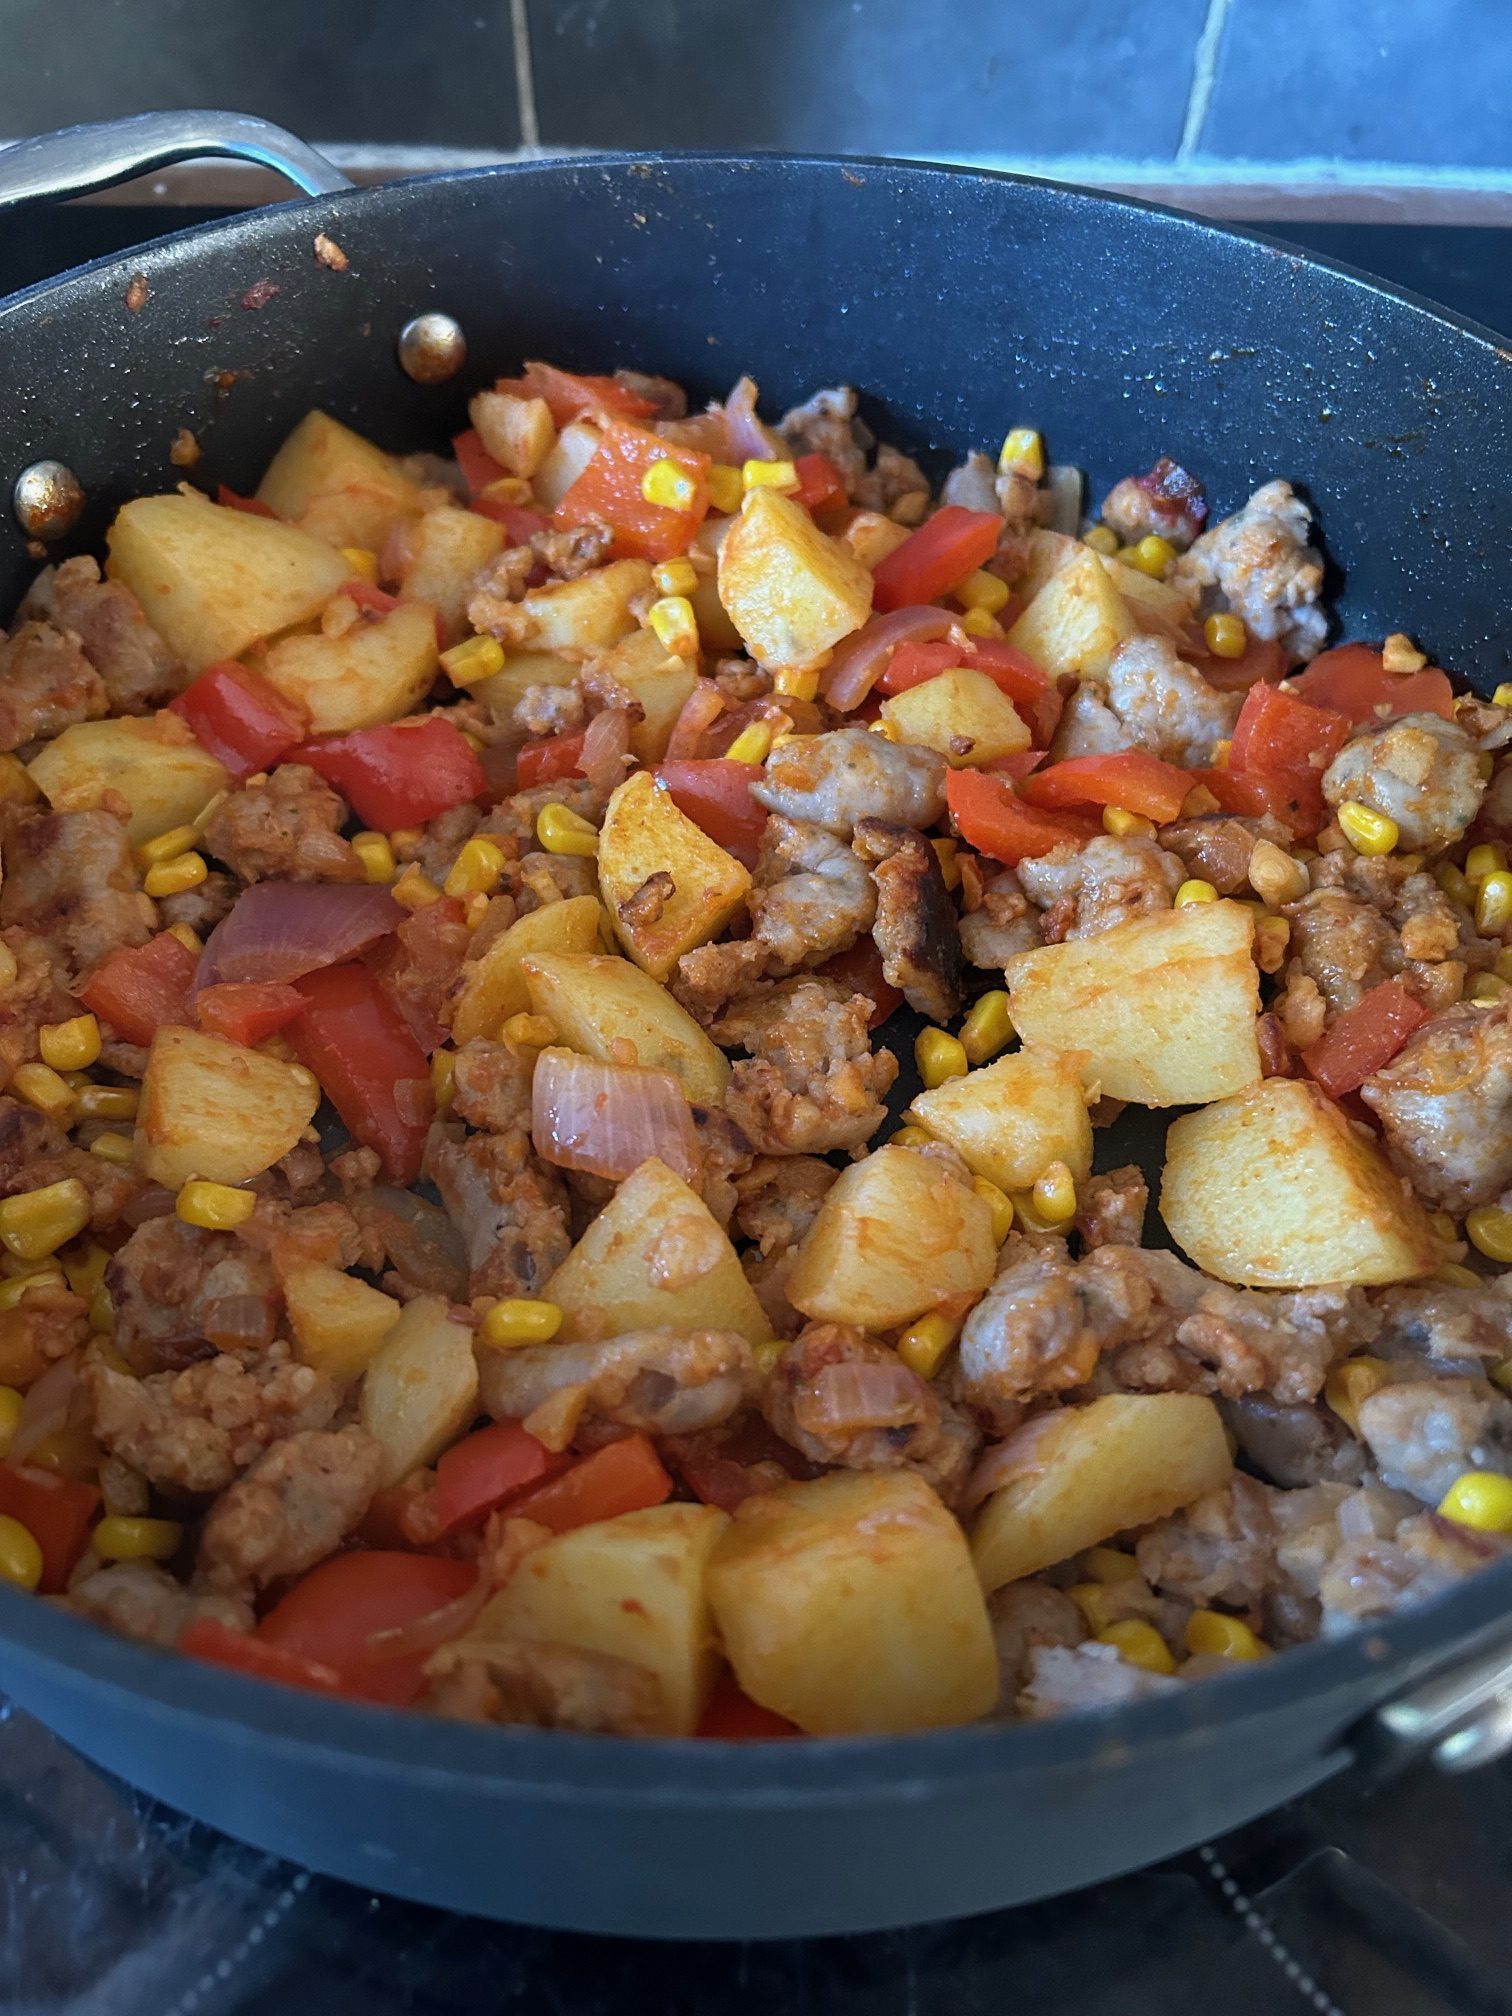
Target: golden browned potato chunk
x=421, y=1388
x=1076, y=621
x=963, y=714
x=1275, y=1188
x=645, y=843
x=213, y=1109
x=211, y=581
x=165, y=775
x=654, y=1259
x=1086, y=1473
x=338, y=1321
x=790, y=590
x=1165, y=1004
x=897, y=1234
x=1010, y=1119
x=493, y=985
x=598, y=1003
x=849, y=1605
x=378, y=671
x=336, y=485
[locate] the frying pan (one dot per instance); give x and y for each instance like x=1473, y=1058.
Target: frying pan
x=961, y=301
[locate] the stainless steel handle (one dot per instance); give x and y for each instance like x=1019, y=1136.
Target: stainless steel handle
x=1461, y=1719
x=80, y=158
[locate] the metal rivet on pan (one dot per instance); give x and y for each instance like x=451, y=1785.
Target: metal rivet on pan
x=432, y=349
x=47, y=500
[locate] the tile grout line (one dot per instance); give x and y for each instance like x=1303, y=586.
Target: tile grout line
x=1204, y=77
x=524, y=67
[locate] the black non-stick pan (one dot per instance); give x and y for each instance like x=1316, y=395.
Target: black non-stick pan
x=962, y=302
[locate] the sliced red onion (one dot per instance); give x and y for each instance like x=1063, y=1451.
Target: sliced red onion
x=608, y=1119
x=605, y=747
x=1007, y=1460
x=419, y=1239
x=860, y=661
x=1066, y=487
x=700, y=711
x=45, y=1409
x=283, y=930
x=436, y=1627
x=850, y=1398
x=749, y=438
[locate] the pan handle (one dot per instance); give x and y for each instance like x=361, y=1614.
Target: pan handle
x=1461, y=1718
x=81, y=158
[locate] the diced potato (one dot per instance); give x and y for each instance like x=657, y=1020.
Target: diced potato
x=1166, y=1003
x=963, y=714
x=1154, y=605
x=334, y=484
x=1089, y=1472
x=654, y=1258
x=502, y=690
x=165, y=775
x=589, y=614
x=493, y=986
x=446, y=550
x=790, y=590
x=1076, y=621
x=338, y=1321
x=1008, y=1120
x=598, y=1004
x=895, y=1236
x=871, y=537
x=214, y=1109
x=1048, y=553
x=629, y=1588
x=214, y=582
x=421, y=1389
x=1277, y=1189
x=849, y=1605
x=379, y=671
x=519, y=433
x=644, y=834
x=576, y=446
x=660, y=683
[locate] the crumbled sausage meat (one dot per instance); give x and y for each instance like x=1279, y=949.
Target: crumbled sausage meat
x=180, y=1293
x=851, y=774
x=1001, y=922
x=1105, y=881
x=915, y=929
x=142, y=1601
x=46, y=685
x=811, y=896
x=665, y=1382
x=1445, y=1106
x=1148, y=700
x=509, y=1207
x=1219, y=1549
x=1421, y=771
x=811, y=1083
x=1260, y=565
x=292, y=1508
x=1423, y=1433
x=491, y=1087
x=138, y=670
x=69, y=877
x=287, y=829
x=1166, y=501
x=818, y=1400
x=1111, y=1209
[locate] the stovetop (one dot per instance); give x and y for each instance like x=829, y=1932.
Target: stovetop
x=1367, y=1898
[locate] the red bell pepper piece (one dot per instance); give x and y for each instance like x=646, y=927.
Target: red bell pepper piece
x=1249, y=797
x=56, y=1511
x=715, y=793
x=1364, y=1038
x=139, y=988
x=331, y=1614
x=610, y=488
x=358, y=1044
x=484, y=1471
x=244, y=1652
x=1285, y=745
x=936, y=558
x=400, y=774
x=1017, y=764
x=1353, y=681
x=245, y=1011
x=991, y=817
x=821, y=487
x=859, y=967
x=571, y=394
x=519, y=521
x=623, y=1476
x=733, y=1717
x=253, y=506
x=478, y=467
x=246, y=724
x=1132, y=779
x=553, y=757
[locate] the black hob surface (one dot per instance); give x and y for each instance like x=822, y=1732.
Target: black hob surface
x=1367, y=1898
